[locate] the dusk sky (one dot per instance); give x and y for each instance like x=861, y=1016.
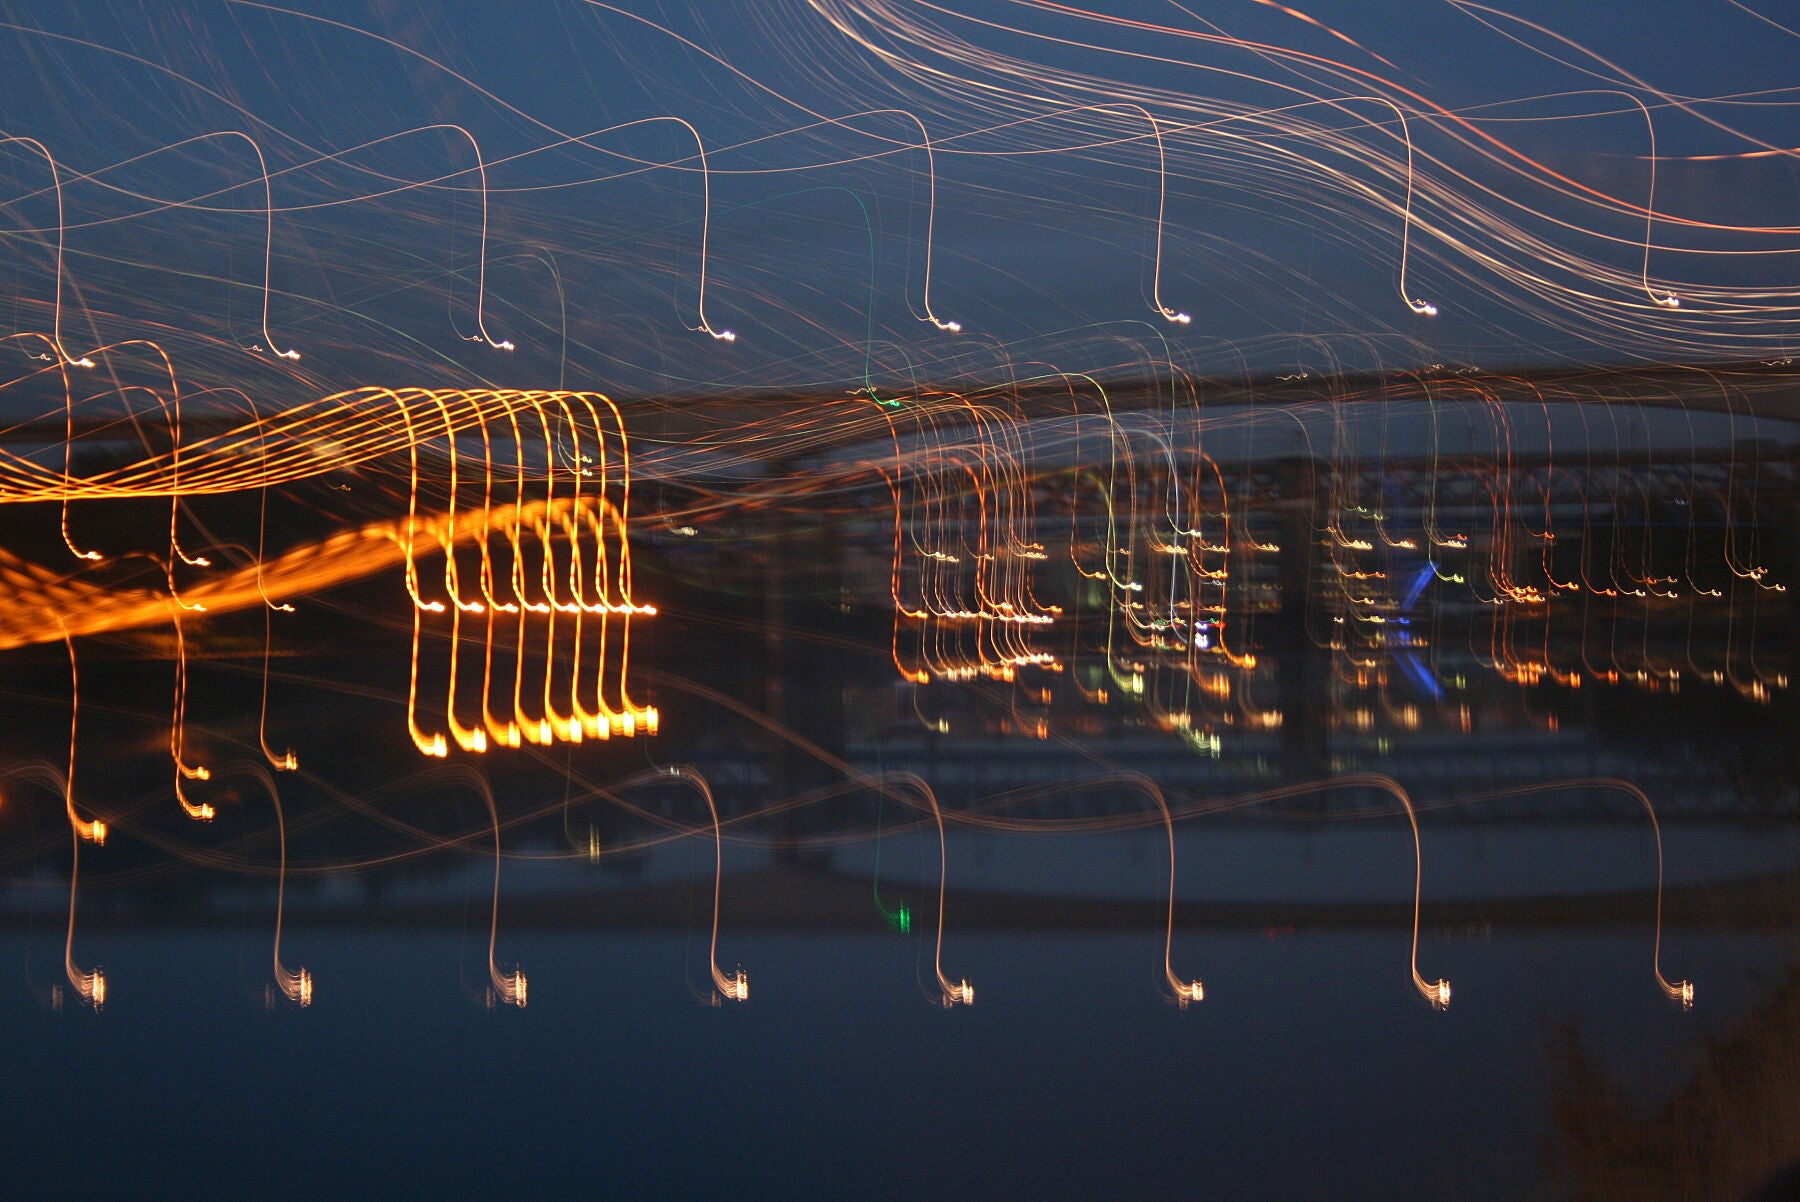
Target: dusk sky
x=1275, y=147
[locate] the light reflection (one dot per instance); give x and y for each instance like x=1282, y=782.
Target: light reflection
x=1259, y=619
x=296, y=985
x=89, y=984
x=1236, y=567
x=950, y=993
x=1075, y=475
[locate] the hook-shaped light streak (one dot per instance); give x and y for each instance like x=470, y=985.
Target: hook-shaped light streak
x=950, y=993
x=481, y=334
x=1436, y=992
x=705, y=326
x=93, y=831
x=56, y=341
x=1184, y=991
x=734, y=985
x=178, y=728
x=506, y=987
x=295, y=984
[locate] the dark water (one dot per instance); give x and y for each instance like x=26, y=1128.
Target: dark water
x=1311, y=1074
x=1355, y=680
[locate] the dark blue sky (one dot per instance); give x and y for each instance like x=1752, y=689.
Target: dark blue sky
x=1282, y=180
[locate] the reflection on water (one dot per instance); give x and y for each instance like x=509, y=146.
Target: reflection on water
x=1205, y=597
x=1088, y=696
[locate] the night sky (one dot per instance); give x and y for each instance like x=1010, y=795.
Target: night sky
x=1282, y=177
